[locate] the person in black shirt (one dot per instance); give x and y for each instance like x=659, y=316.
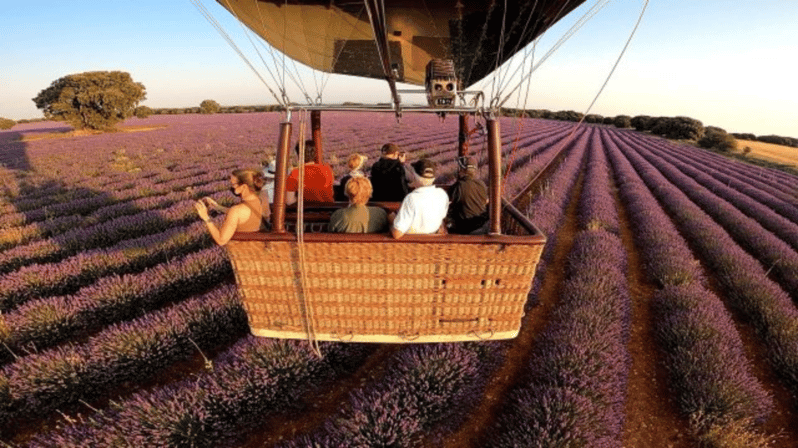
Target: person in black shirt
x=468, y=211
x=389, y=176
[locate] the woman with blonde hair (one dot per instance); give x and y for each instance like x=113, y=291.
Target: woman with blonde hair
x=357, y=217
x=355, y=164
x=248, y=216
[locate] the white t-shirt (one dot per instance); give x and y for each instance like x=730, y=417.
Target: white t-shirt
x=422, y=210
x=268, y=190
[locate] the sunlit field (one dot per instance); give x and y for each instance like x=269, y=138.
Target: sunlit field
x=663, y=312
x=773, y=153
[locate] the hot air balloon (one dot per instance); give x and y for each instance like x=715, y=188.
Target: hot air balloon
x=298, y=282
x=397, y=39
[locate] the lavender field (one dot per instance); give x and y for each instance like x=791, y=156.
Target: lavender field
x=663, y=312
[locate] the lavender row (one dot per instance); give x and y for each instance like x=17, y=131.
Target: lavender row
x=78, y=184
x=58, y=224
x=221, y=136
x=771, y=194
x=765, y=179
x=529, y=156
x=754, y=208
x=527, y=161
x=666, y=258
x=579, y=366
x=346, y=135
x=76, y=197
x=101, y=205
x=146, y=200
x=704, y=355
x=533, y=149
x=101, y=235
x=597, y=203
x=742, y=279
x=255, y=379
x=43, y=323
x=427, y=385
x=771, y=251
x=125, y=257
x=548, y=208
x=131, y=351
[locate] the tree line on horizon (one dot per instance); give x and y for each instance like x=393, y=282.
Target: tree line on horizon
x=101, y=99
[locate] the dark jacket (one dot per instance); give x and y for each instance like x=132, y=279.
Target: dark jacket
x=468, y=210
x=339, y=190
x=388, y=180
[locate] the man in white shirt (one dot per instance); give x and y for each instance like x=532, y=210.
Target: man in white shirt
x=422, y=210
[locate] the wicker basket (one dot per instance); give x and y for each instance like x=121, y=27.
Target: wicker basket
x=372, y=288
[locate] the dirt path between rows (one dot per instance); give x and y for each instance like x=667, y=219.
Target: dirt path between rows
x=652, y=419
x=511, y=374
x=782, y=426
x=322, y=403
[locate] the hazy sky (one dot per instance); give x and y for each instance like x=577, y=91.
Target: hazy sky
x=728, y=63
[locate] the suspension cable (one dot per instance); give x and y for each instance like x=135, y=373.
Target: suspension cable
x=570, y=136
x=209, y=17
x=499, y=52
x=598, y=6
x=617, y=61
x=247, y=33
x=505, y=68
x=557, y=16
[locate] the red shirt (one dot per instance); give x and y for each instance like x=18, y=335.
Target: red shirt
x=318, y=182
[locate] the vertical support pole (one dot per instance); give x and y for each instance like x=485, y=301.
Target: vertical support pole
x=315, y=126
x=281, y=178
x=494, y=168
x=462, y=148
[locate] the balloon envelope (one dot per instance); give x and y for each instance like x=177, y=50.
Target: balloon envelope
x=336, y=35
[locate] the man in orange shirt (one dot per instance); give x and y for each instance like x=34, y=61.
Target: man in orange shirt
x=318, y=178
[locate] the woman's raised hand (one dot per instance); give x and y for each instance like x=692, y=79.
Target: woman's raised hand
x=210, y=203
x=202, y=210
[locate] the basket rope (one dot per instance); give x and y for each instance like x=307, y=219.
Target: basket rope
x=302, y=296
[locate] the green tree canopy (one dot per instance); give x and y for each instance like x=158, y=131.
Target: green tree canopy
x=209, y=107
x=94, y=100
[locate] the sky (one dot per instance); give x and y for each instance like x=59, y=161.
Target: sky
x=727, y=63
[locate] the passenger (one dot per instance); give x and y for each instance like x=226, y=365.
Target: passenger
x=468, y=210
x=318, y=178
x=389, y=175
x=357, y=217
x=269, y=170
x=355, y=164
x=423, y=210
x=246, y=216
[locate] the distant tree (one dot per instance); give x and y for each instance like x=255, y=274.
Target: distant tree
x=209, y=107
x=642, y=123
x=680, y=128
x=717, y=138
x=534, y=113
x=609, y=120
x=778, y=140
x=745, y=136
x=593, y=118
x=622, y=121
x=567, y=115
x=143, y=112
x=94, y=100
x=6, y=123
